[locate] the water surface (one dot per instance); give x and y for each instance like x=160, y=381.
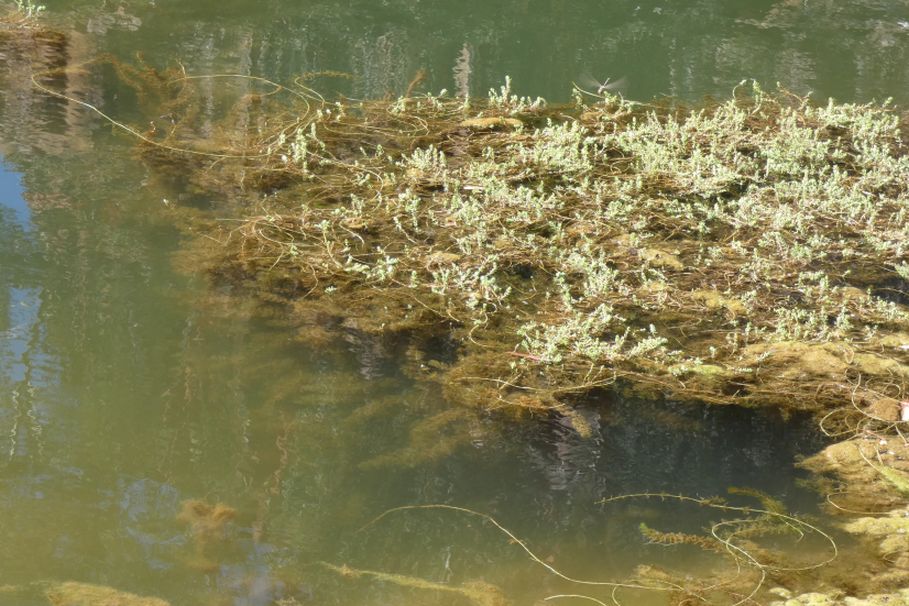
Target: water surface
x=132, y=391
x=853, y=51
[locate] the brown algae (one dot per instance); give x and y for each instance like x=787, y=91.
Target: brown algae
x=208, y=527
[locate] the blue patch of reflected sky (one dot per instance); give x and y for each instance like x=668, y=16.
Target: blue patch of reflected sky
x=25, y=364
x=19, y=338
x=12, y=198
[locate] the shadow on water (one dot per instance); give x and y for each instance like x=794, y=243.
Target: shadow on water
x=895, y=290
x=545, y=483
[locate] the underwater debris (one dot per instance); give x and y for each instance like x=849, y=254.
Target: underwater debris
x=477, y=592
x=208, y=527
x=83, y=594
x=205, y=519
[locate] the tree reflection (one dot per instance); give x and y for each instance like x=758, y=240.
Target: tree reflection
x=852, y=51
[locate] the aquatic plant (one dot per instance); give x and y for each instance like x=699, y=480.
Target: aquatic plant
x=84, y=594
x=29, y=9
x=207, y=525
x=750, y=565
x=476, y=592
x=745, y=251
x=204, y=519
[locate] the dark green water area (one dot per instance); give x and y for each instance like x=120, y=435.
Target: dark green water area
x=168, y=439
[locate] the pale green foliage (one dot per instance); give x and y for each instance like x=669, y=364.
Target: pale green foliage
x=29, y=8
x=505, y=99
x=742, y=221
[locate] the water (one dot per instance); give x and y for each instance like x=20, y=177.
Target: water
x=852, y=51
x=131, y=392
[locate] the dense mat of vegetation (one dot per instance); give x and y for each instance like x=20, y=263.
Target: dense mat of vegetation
x=752, y=250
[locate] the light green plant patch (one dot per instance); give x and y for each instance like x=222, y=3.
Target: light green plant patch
x=747, y=251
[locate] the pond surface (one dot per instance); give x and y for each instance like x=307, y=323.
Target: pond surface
x=853, y=51
x=165, y=438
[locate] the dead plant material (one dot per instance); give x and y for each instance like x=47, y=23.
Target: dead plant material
x=85, y=594
x=205, y=519
x=479, y=593
x=208, y=528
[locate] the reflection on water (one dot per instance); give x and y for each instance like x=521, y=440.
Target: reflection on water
x=850, y=50
x=13, y=202
x=130, y=393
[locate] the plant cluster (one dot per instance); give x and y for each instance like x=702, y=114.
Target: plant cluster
x=751, y=250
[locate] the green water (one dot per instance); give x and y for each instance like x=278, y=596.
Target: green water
x=849, y=50
x=129, y=387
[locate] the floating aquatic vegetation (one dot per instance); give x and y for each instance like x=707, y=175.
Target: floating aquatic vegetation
x=729, y=253
x=24, y=40
x=22, y=16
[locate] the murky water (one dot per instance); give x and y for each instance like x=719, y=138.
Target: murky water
x=163, y=438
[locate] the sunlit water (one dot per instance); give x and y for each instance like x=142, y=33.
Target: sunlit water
x=129, y=389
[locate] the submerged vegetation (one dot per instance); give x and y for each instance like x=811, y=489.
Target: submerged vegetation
x=750, y=560
x=84, y=594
